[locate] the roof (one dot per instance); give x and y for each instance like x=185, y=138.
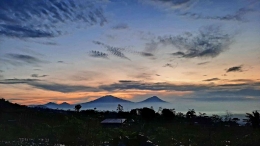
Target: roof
x=113, y=121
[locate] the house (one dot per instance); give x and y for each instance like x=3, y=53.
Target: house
x=113, y=122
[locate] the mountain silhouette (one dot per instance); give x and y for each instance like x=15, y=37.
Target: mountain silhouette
x=50, y=104
x=109, y=99
x=107, y=102
x=55, y=105
x=153, y=99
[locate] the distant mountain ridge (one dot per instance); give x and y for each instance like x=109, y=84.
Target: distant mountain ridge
x=109, y=99
x=153, y=99
x=105, y=100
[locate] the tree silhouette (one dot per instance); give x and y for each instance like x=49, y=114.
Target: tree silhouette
x=190, y=115
x=228, y=116
x=168, y=113
x=253, y=119
x=147, y=113
x=77, y=107
x=120, y=108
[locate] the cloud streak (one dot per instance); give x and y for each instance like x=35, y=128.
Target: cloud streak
x=38, y=76
x=212, y=79
x=208, y=43
x=45, y=18
x=203, y=63
x=21, y=59
x=237, y=16
x=40, y=84
x=235, y=69
x=200, y=91
x=115, y=51
x=172, y=4
x=98, y=54
x=120, y=26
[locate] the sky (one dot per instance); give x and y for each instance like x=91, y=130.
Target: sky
x=204, y=52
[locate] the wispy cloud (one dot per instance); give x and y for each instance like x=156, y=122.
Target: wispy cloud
x=40, y=84
x=21, y=59
x=171, y=4
x=120, y=26
x=170, y=65
x=18, y=81
x=152, y=86
x=98, y=54
x=203, y=63
x=237, y=16
x=38, y=76
x=235, y=69
x=24, y=58
x=209, y=42
x=212, y=79
x=116, y=51
x=64, y=88
x=45, y=18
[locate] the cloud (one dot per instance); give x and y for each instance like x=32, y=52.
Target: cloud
x=170, y=65
x=152, y=86
x=125, y=81
x=212, y=79
x=120, y=26
x=143, y=76
x=39, y=84
x=172, y=4
x=200, y=92
x=237, y=16
x=23, y=32
x=208, y=43
x=143, y=54
x=46, y=18
x=18, y=81
x=60, y=61
x=64, y=88
x=48, y=43
x=38, y=76
x=98, y=54
x=204, y=92
x=146, y=54
x=235, y=69
x=152, y=46
x=23, y=58
x=203, y=63
x=116, y=51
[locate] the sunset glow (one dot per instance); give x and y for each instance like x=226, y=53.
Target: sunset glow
x=77, y=51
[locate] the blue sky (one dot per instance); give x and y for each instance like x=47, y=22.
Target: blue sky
x=180, y=50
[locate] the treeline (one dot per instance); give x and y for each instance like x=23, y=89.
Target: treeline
x=21, y=125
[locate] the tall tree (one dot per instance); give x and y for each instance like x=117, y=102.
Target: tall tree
x=77, y=107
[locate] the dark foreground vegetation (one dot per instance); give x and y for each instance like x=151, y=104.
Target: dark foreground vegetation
x=21, y=125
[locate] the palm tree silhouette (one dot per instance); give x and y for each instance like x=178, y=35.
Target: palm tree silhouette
x=253, y=119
